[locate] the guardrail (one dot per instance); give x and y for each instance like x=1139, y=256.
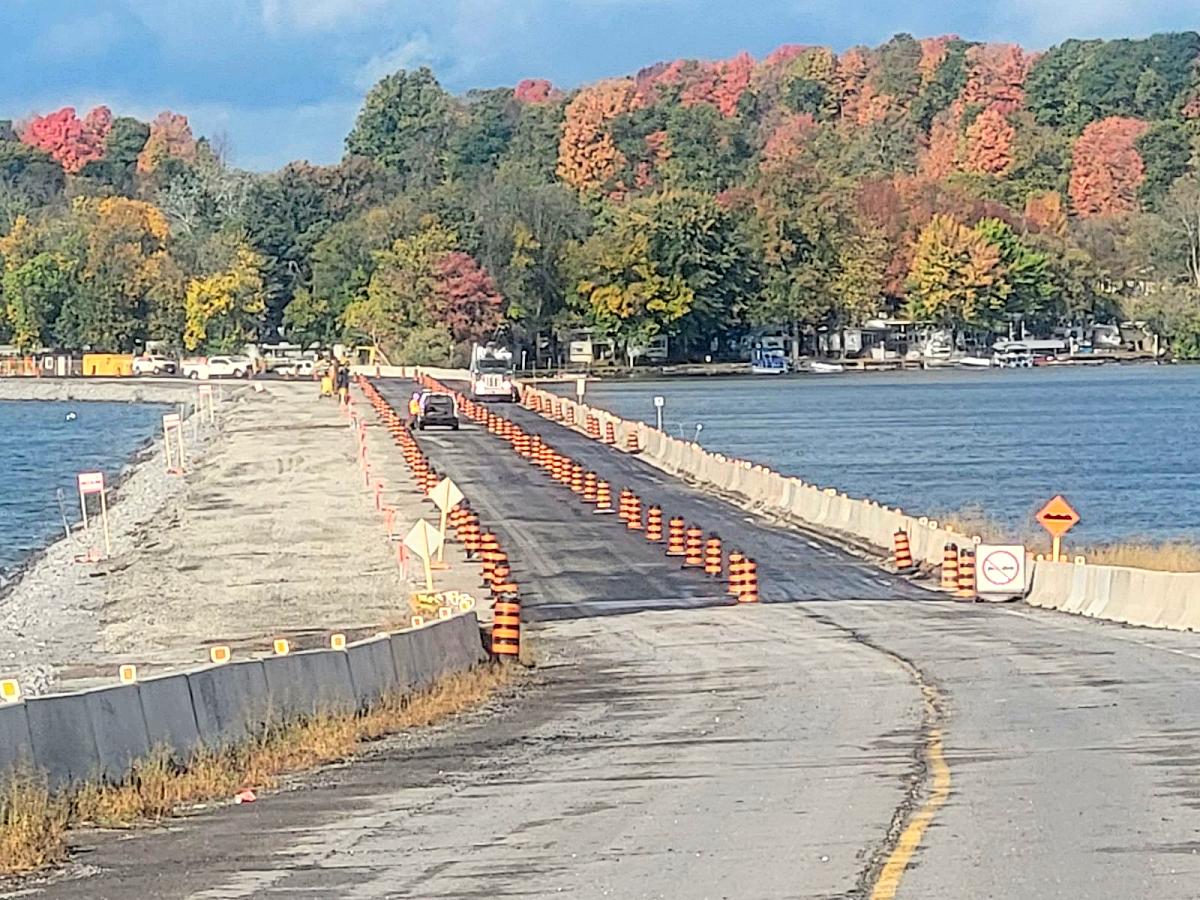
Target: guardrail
x=101, y=733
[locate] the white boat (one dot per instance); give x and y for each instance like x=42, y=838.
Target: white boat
x=1013, y=355
x=768, y=361
x=977, y=362
x=823, y=368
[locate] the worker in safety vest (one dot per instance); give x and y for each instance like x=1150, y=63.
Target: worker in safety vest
x=414, y=409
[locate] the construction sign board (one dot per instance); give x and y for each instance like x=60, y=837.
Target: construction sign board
x=1058, y=517
x=446, y=495
x=1000, y=569
x=424, y=540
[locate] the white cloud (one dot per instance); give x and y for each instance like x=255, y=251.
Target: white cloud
x=417, y=51
x=85, y=36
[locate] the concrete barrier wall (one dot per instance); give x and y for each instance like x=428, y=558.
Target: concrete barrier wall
x=1119, y=594
x=98, y=734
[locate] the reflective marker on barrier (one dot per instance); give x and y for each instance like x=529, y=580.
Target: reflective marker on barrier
x=445, y=612
x=10, y=691
x=418, y=621
x=128, y=674
x=218, y=655
x=282, y=647
x=337, y=641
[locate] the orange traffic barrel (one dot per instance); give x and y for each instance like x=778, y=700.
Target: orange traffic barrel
x=737, y=571
x=589, y=487
x=610, y=433
x=950, y=568
x=712, y=556
x=749, y=591
x=623, y=504
x=904, y=557
x=489, y=546
x=502, y=583
x=593, y=427
x=654, y=524
x=693, y=548
x=966, y=573
x=675, y=537
x=604, y=503
x=631, y=440
x=473, y=533
x=633, y=519
x=506, y=628
x=577, y=478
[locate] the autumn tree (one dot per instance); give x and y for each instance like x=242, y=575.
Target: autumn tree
x=956, y=278
x=989, y=143
x=588, y=158
x=1107, y=169
x=224, y=309
x=170, y=137
x=72, y=141
x=464, y=299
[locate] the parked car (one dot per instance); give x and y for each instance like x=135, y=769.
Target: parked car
x=294, y=368
x=438, y=409
x=219, y=367
x=154, y=364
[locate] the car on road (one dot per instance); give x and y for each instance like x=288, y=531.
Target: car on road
x=438, y=409
x=154, y=364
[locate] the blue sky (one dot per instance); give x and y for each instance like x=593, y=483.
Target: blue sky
x=283, y=79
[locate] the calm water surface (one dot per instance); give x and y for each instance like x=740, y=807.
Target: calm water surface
x=1122, y=443
x=42, y=451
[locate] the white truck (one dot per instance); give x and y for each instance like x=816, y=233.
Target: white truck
x=492, y=373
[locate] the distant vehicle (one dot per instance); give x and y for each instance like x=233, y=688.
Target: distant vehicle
x=296, y=368
x=438, y=409
x=154, y=364
x=218, y=367
x=766, y=360
x=492, y=373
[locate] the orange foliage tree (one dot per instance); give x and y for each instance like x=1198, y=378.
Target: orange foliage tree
x=933, y=53
x=588, y=158
x=1106, y=168
x=941, y=154
x=787, y=142
x=1044, y=211
x=74, y=142
x=989, y=143
x=170, y=137
x=996, y=76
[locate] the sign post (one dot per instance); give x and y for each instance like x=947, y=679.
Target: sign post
x=93, y=483
x=659, y=402
x=173, y=425
x=206, y=405
x=424, y=540
x=1057, y=517
x=580, y=388
x=445, y=497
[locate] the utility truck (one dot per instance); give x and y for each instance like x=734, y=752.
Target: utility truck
x=492, y=373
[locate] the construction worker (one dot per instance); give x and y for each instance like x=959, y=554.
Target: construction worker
x=343, y=382
x=414, y=409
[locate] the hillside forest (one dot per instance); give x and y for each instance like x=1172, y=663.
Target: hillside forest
x=964, y=185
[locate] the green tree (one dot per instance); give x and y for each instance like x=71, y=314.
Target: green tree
x=956, y=278
x=1165, y=148
x=34, y=292
x=405, y=124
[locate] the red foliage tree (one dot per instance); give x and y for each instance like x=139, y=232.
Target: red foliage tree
x=783, y=54
x=996, y=76
x=941, y=153
x=74, y=142
x=534, y=90
x=861, y=103
x=464, y=300
x=1106, y=168
x=787, y=142
x=989, y=143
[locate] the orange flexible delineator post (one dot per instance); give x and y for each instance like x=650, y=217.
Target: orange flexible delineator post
x=654, y=524
x=749, y=592
x=693, y=548
x=604, y=504
x=712, y=556
x=633, y=521
x=737, y=571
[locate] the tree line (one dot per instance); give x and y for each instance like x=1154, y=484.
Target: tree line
x=966, y=185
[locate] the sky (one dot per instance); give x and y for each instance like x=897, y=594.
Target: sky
x=280, y=80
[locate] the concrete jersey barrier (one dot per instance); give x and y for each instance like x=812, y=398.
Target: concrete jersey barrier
x=99, y=734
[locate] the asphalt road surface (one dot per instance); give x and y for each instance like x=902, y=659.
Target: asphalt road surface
x=877, y=746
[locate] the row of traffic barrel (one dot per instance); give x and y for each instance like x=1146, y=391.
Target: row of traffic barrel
x=559, y=410
x=480, y=543
x=957, y=570
x=683, y=541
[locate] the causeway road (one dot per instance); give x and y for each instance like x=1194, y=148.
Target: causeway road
x=857, y=737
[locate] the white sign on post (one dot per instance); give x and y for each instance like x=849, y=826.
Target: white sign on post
x=445, y=496
x=424, y=540
x=173, y=425
x=1000, y=569
x=93, y=483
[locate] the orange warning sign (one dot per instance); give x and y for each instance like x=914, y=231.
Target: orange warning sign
x=1058, y=516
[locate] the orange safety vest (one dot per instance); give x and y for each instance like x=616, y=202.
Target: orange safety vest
x=414, y=407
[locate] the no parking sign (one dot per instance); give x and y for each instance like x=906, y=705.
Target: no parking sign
x=1000, y=569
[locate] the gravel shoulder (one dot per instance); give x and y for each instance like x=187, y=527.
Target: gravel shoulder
x=271, y=533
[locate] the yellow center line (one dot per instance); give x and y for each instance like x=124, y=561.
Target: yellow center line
x=893, y=870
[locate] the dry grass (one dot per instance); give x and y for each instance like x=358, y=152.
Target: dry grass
x=1164, y=556
x=33, y=824
x=1159, y=556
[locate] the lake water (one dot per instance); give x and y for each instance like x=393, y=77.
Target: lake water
x=1122, y=443
x=42, y=451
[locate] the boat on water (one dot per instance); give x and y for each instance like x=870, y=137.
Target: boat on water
x=977, y=362
x=769, y=361
x=824, y=368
